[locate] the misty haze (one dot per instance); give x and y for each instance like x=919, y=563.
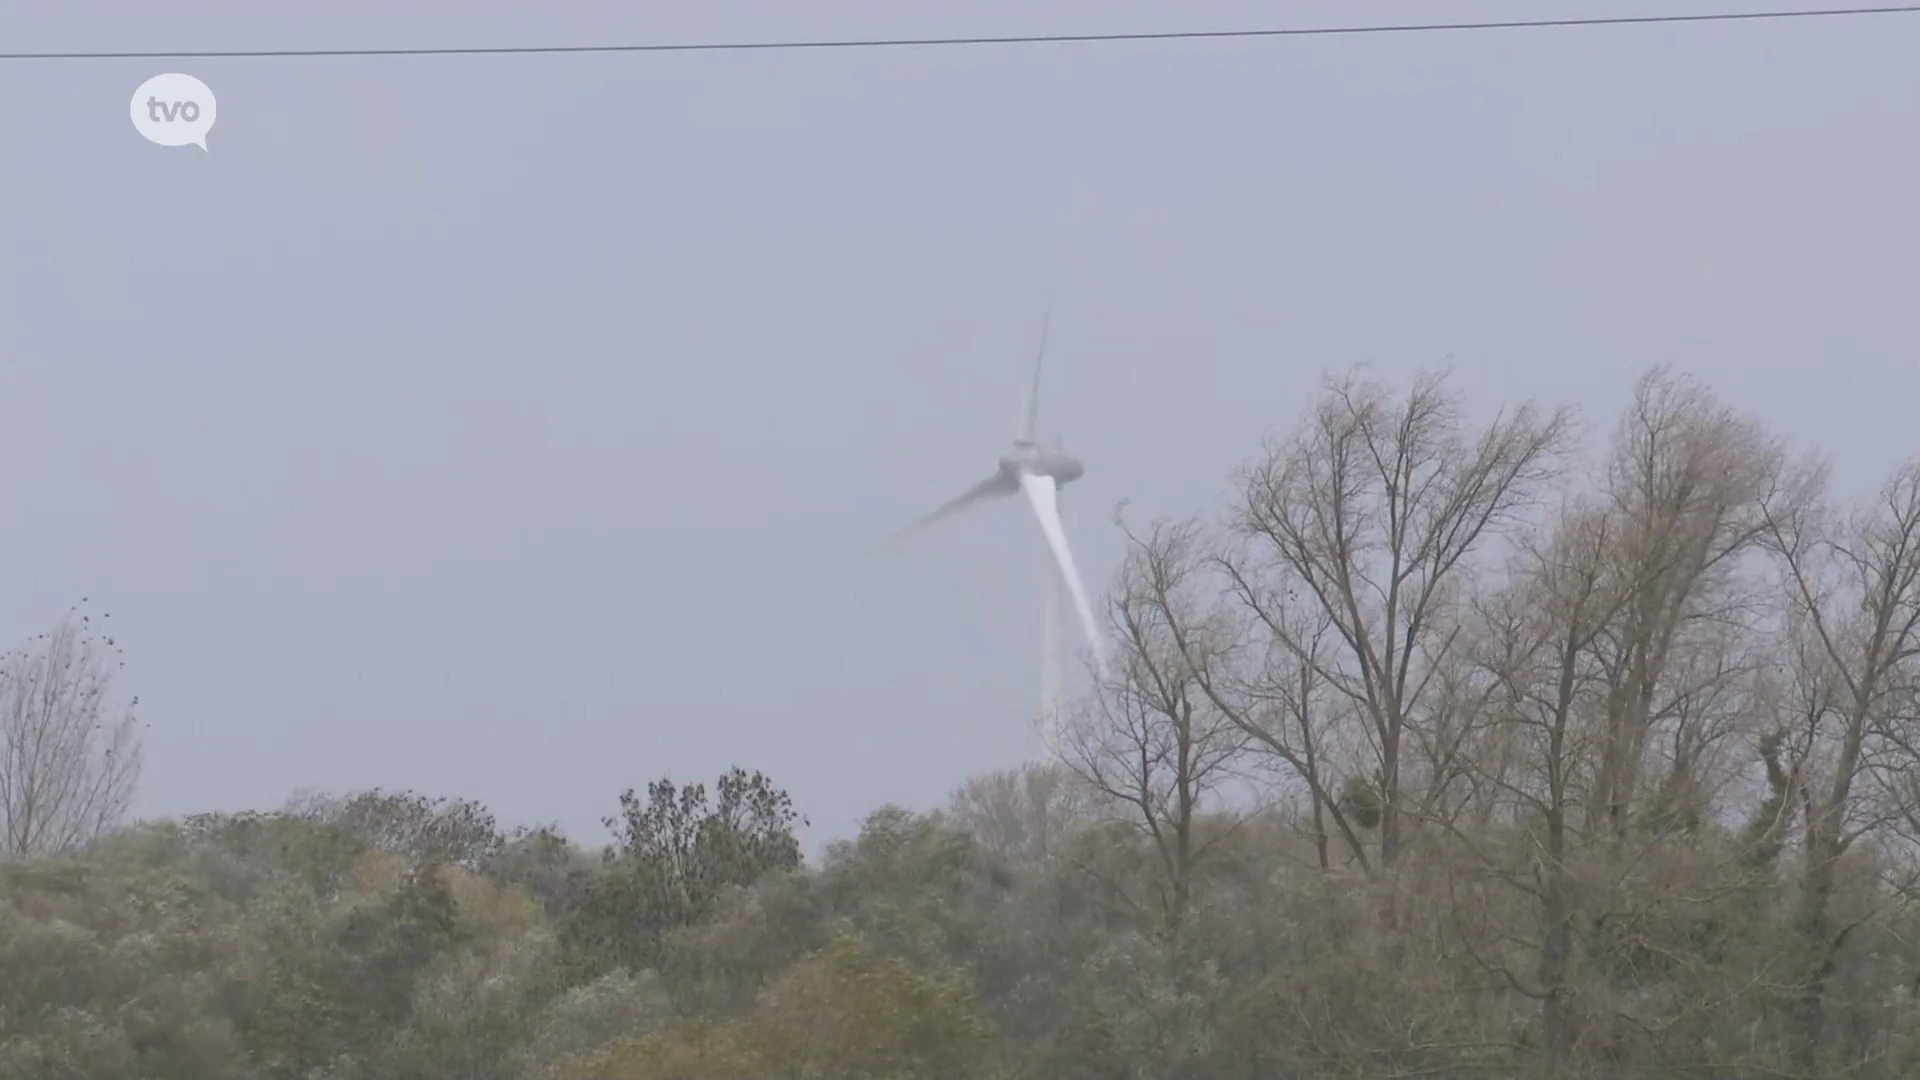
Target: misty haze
x=1319, y=555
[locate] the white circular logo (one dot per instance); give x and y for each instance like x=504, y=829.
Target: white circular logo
x=173, y=110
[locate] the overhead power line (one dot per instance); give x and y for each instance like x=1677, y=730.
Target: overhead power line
x=1023, y=39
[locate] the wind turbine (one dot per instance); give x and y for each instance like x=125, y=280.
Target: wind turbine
x=1039, y=472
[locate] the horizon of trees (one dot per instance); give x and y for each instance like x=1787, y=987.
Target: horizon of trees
x=1456, y=746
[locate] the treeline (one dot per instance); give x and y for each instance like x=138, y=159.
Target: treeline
x=1455, y=747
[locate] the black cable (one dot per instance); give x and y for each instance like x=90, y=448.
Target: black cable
x=1034, y=39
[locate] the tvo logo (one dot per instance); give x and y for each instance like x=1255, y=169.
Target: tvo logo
x=173, y=110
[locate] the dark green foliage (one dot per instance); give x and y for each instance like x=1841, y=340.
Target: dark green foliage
x=674, y=856
x=546, y=865
x=1766, y=831
x=389, y=945
x=415, y=827
x=1360, y=801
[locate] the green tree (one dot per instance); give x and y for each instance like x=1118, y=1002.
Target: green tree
x=843, y=1013
x=117, y=962
x=676, y=853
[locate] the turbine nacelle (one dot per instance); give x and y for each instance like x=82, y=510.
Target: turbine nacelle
x=1041, y=461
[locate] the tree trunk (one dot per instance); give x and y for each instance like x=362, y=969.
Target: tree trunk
x=1556, y=955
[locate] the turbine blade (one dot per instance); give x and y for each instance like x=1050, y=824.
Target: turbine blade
x=1043, y=494
x=996, y=485
x=1032, y=422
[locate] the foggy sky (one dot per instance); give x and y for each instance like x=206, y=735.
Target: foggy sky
x=515, y=427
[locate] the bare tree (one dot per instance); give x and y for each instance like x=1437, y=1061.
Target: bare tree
x=1275, y=693
x=1150, y=740
x=1024, y=812
x=1547, y=639
x=1853, y=637
x=1538, y=641
x=69, y=755
x=1369, y=516
x=1685, y=483
x=1618, y=631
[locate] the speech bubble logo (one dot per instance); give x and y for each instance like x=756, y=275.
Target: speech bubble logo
x=173, y=110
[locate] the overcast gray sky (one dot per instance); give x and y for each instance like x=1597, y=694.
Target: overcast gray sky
x=514, y=427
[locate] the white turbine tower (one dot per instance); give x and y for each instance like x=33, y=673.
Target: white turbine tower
x=1039, y=472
